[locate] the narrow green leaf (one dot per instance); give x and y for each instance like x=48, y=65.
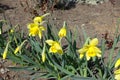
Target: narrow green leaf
x=82, y=78
x=111, y=53
x=15, y=59
x=84, y=32
x=91, y=73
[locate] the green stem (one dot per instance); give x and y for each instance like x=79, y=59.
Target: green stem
x=85, y=69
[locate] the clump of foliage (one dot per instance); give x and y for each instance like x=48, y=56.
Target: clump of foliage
x=45, y=55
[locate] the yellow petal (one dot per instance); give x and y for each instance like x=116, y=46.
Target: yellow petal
x=94, y=42
x=34, y=31
x=117, y=71
x=53, y=49
x=81, y=55
x=42, y=28
x=82, y=50
x=117, y=64
x=87, y=57
x=49, y=42
x=98, y=55
x=117, y=77
x=31, y=25
x=40, y=34
x=91, y=52
x=117, y=74
x=97, y=50
x=57, y=45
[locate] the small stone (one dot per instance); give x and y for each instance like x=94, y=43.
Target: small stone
x=3, y=70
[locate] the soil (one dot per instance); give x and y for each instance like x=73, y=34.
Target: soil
x=95, y=19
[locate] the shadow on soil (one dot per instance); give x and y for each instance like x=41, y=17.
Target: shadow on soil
x=5, y=7
x=65, y=5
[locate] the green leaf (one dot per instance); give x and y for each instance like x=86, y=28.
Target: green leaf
x=35, y=45
x=15, y=59
x=42, y=75
x=29, y=68
x=91, y=73
x=111, y=53
x=82, y=78
x=103, y=48
x=59, y=67
x=84, y=33
x=51, y=32
x=29, y=60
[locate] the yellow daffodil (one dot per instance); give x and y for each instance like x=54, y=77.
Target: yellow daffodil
x=90, y=50
x=55, y=46
x=19, y=47
x=117, y=64
x=39, y=19
x=35, y=29
x=117, y=74
x=5, y=51
x=62, y=32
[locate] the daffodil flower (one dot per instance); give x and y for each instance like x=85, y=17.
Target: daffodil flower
x=6, y=51
x=55, y=46
x=62, y=32
x=90, y=50
x=39, y=19
x=117, y=74
x=19, y=47
x=35, y=29
x=117, y=64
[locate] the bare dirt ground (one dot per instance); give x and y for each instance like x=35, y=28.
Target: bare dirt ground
x=97, y=20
